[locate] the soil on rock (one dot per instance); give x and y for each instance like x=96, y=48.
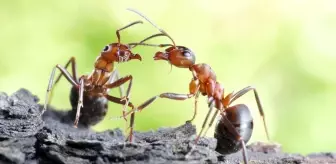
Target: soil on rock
x=26, y=137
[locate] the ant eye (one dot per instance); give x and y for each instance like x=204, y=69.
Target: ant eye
x=186, y=54
x=106, y=48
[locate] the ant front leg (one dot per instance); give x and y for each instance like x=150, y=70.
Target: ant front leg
x=114, y=77
x=51, y=83
x=120, y=101
x=193, y=89
x=130, y=136
x=195, y=107
x=261, y=111
x=118, y=83
x=173, y=96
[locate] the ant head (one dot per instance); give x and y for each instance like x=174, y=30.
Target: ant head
x=178, y=56
x=119, y=53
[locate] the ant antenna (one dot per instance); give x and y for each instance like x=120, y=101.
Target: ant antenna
x=127, y=26
x=148, y=38
x=147, y=44
x=161, y=30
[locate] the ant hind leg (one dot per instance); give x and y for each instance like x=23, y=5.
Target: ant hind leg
x=51, y=83
x=261, y=111
x=232, y=129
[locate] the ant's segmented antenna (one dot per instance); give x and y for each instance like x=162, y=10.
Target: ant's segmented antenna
x=161, y=30
x=148, y=38
x=125, y=27
x=153, y=36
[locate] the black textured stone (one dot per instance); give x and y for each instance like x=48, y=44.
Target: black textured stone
x=26, y=138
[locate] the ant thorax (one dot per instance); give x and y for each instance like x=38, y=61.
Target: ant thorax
x=99, y=77
x=103, y=64
x=203, y=72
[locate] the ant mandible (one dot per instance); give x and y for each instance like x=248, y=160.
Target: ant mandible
x=89, y=93
x=236, y=123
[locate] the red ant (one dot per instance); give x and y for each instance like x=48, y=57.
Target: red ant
x=236, y=124
x=89, y=94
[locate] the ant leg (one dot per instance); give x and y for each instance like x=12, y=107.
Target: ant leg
x=211, y=122
x=114, y=77
x=130, y=136
x=120, y=82
x=51, y=83
x=118, y=100
x=193, y=90
x=80, y=101
x=232, y=129
x=173, y=96
x=226, y=101
x=72, y=61
x=146, y=103
x=129, y=25
x=195, y=107
x=261, y=111
x=211, y=106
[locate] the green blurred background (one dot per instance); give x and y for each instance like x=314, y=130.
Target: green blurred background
x=285, y=48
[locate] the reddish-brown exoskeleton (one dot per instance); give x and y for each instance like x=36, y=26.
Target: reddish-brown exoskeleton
x=89, y=94
x=236, y=121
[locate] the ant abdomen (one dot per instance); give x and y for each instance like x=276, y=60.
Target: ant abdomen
x=94, y=108
x=241, y=118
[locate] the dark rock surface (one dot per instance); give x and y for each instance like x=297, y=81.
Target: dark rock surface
x=27, y=138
